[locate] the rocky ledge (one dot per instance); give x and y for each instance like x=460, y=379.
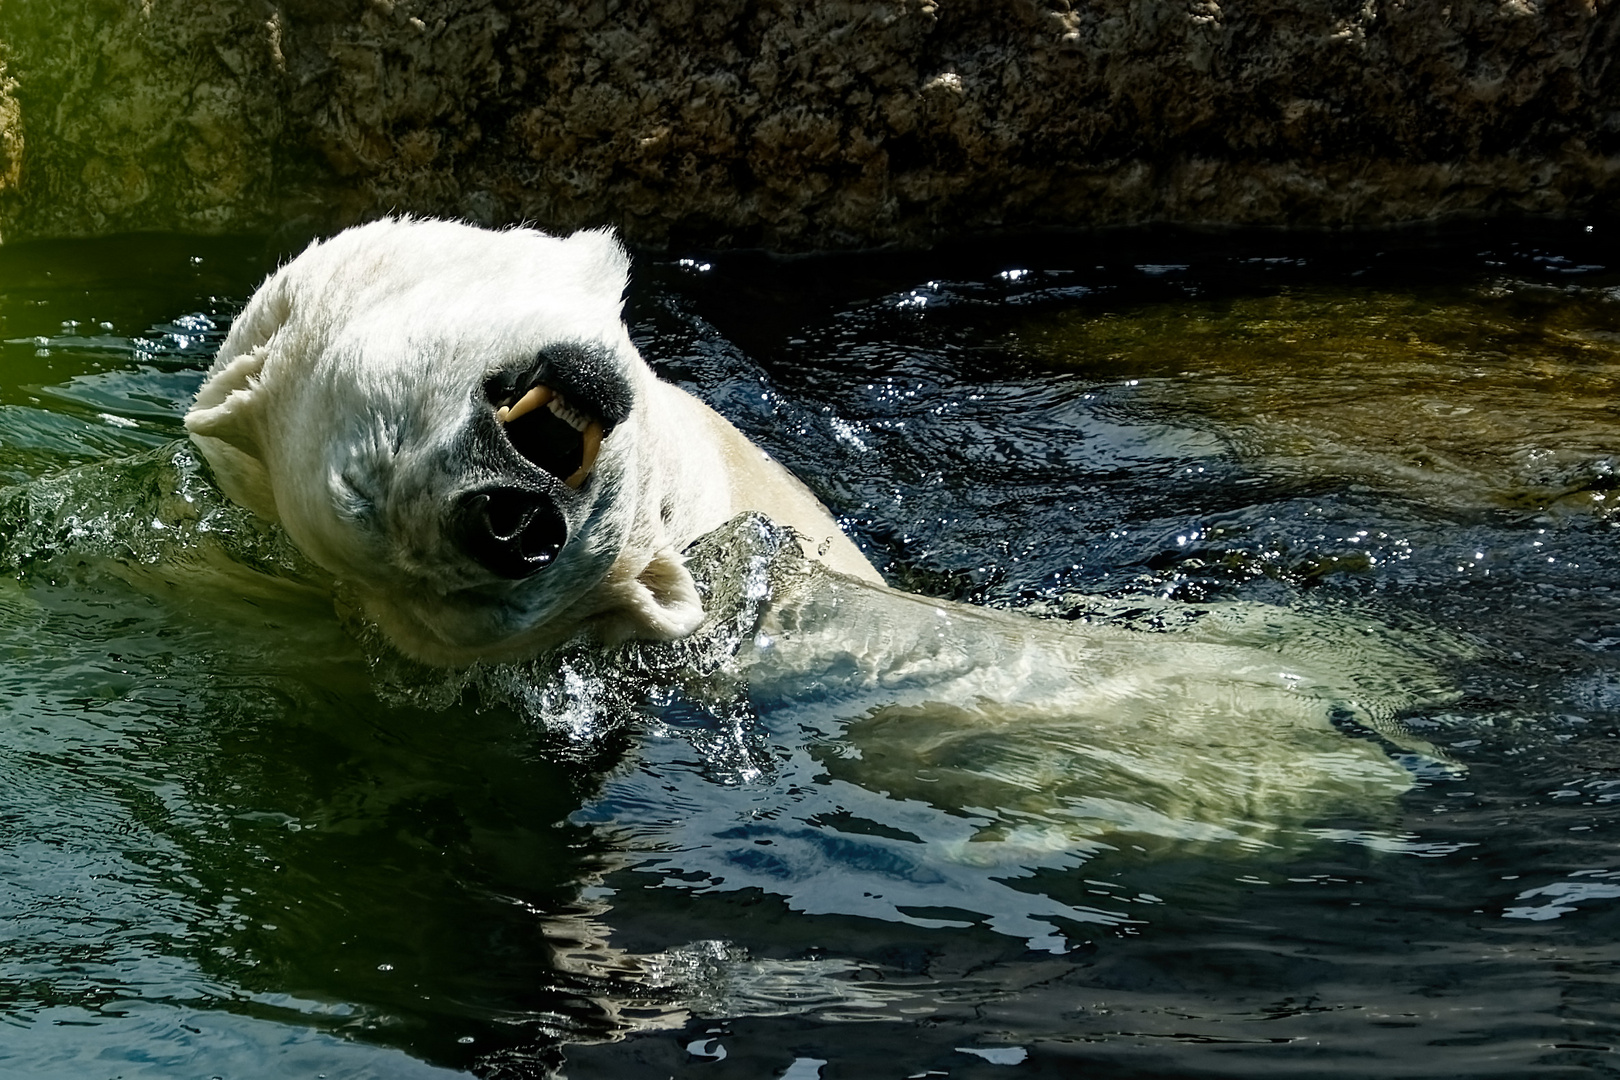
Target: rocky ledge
x=796, y=125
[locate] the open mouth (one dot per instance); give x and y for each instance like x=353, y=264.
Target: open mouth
x=552, y=434
x=557, y=409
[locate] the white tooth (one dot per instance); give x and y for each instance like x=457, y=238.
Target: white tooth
x=592, y=447
x=529, y=402
x=573, y=418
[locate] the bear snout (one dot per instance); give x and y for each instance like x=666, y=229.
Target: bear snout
x=510, y=531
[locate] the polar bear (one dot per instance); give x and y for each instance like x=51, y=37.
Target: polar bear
x=455, y=422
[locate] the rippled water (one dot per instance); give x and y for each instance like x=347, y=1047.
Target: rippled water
x=239, y=836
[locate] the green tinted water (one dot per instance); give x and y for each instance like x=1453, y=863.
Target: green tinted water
x=239, y=838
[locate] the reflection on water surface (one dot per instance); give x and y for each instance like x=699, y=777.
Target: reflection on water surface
x=1498, y=397
x=242, y=837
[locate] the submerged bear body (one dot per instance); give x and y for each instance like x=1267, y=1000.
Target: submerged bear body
x=455, y=424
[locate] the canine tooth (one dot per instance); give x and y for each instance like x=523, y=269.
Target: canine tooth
x=529, y=402
x=592, y=446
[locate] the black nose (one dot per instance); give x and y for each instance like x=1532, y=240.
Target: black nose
x=510, y=531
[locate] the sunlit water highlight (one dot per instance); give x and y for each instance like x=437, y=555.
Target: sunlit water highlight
x=1298, y=756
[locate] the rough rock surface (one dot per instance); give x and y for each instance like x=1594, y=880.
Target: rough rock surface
x=798, y=125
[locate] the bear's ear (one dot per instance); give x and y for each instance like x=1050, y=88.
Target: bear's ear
x=604, y=265
x=224, y=424
x=661, y=602
x=224, y=404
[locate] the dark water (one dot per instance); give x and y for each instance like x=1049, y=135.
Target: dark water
x=239, y=838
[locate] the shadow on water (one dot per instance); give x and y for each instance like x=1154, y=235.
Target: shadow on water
x=240, y=836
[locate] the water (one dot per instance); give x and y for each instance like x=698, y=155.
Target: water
x=241, y=837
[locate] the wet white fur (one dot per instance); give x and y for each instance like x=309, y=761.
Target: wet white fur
x=334, y=406
x=342, y=385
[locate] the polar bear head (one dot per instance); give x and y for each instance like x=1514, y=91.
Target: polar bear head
x=450, y=420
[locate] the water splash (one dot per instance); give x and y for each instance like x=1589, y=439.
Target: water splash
x=155, y=511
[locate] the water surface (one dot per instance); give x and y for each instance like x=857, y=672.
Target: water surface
x=240, y=837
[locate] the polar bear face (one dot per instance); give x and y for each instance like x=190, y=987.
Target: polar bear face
x=452, y=421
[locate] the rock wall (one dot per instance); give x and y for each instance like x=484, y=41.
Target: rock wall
x=798, y=125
